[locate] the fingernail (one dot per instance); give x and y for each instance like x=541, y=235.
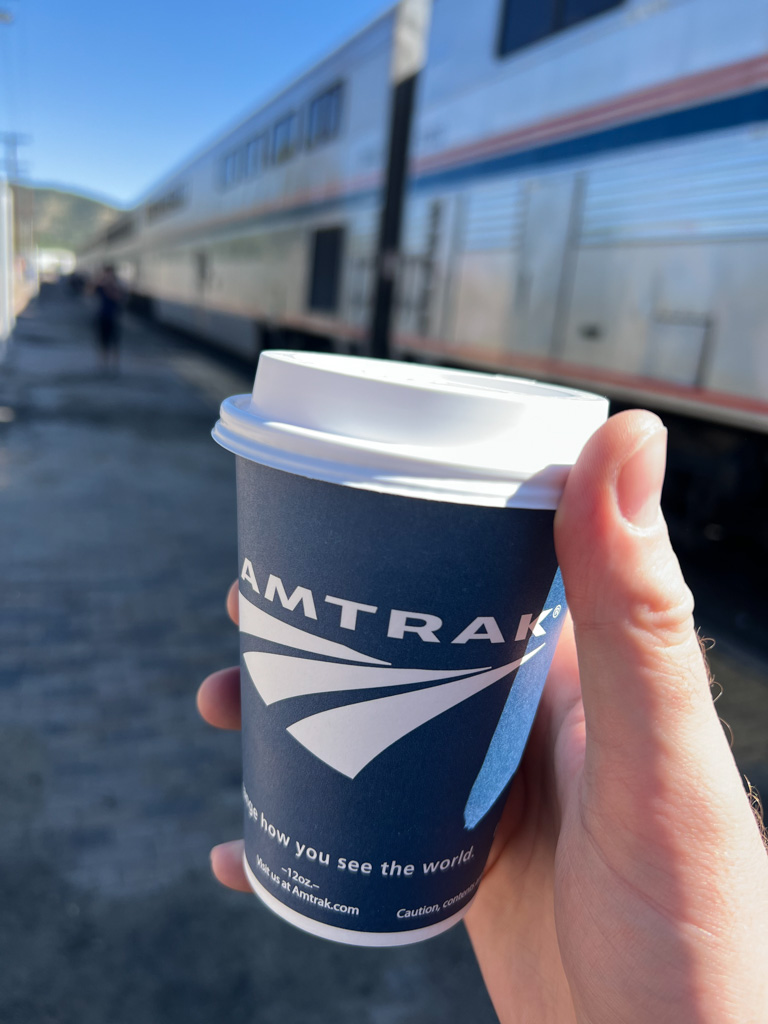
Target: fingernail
x=638, y=487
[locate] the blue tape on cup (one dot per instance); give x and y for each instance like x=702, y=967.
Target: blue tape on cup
x=511, y=735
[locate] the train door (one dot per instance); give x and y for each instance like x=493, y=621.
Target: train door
x=679, y=348
x=485, y=266
x=202, y=272
x=359, y=271
x=417, y=269
x=326, y=259
x=548, y=238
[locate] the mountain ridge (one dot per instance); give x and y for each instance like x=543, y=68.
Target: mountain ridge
x=58, y=218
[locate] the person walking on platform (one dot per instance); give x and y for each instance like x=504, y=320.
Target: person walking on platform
x=111, y=297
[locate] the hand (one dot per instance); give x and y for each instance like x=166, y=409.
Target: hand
x=628, y=881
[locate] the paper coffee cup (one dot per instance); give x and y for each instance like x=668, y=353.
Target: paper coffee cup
x=400, y=603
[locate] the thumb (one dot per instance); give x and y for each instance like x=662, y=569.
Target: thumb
x=645, y=685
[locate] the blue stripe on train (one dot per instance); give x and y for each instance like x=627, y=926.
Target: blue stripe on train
x=721, y=114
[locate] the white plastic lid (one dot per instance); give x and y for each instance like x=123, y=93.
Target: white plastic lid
x=406, y=428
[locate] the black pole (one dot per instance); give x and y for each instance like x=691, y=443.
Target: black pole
x=391, y=216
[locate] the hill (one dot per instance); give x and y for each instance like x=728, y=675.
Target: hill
x=59, y=220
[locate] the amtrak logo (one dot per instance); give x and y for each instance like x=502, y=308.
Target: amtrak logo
x=349, y=737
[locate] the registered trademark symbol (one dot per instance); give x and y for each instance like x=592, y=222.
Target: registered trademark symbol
x=557, y=611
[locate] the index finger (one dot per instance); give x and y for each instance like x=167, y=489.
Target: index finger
x=218, y=698
x=233, y=597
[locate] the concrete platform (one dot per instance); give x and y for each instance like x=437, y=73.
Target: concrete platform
x=117, y=532
x=117, y=528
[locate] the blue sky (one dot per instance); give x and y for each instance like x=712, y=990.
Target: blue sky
x=114, y=94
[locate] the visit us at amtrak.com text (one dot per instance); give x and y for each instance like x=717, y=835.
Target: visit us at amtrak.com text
x=304, y=879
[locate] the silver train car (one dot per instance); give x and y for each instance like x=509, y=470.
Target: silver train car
x=585, y=200
x=261, y=235
x=592, y=206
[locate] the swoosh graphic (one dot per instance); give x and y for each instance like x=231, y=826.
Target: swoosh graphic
x=258, y=623
x=279, y=676
x=350, y=737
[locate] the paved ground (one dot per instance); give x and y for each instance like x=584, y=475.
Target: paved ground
x=117, y=532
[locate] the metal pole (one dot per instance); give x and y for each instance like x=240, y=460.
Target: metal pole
x=408, y=54
x=7, y=319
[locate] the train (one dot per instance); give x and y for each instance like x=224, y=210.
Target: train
x=573, y=191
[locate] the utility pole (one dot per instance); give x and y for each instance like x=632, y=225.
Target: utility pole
x=16, y=219
x=11, y=141
x=7, y=318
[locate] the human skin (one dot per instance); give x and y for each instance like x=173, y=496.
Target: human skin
x=628, y=881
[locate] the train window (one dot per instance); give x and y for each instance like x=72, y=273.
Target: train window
x=523, y=22
x=167, y=203
x=575, y=11
x=325, y=279
x=256, y=156
x=285, y=139
x=232, y=168
x=122, y=229
x=228, y=170
x=324, y=120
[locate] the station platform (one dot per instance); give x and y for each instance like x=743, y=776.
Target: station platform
x=117, y=527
